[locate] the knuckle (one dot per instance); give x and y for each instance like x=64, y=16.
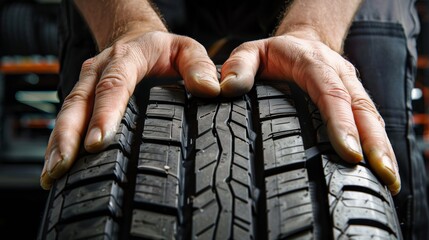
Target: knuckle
x=88, y=67
x=88, y=64
x=339, y=93
x=310, y=61
x=78, y=95
x=366, y=105
x=119, y=50
x=332, y=95
x=349, y=70
x=349, y=67
x=111, y=82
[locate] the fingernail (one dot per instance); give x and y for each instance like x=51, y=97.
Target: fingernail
x=395, y=188
x=209, y=83
x=228, y=78
x=55, y=159
x=392, y=176
x=94, y=137
x=45, y=181
x=353, y=144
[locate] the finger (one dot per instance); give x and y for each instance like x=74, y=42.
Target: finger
x=113, y=90
x=239, y=70
x=45, y=180
x=334, y=102
x=198, y=71
x=70, y=126
x=372, y=132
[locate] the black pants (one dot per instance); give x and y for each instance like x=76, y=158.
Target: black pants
x=381, y=44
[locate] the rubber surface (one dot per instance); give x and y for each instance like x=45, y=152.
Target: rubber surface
x=255, y=167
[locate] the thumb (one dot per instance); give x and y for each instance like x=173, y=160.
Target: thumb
x=239, y=70
x=196, y=68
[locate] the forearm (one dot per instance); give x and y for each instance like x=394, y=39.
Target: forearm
x=325, y=20
x=109, y=19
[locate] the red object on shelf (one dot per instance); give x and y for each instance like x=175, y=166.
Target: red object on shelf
x=29, y=64
x=423, y=62
x=21, y=68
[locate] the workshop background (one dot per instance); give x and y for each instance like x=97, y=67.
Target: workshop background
x=28, y=106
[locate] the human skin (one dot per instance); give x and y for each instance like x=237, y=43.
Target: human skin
x=134, y=44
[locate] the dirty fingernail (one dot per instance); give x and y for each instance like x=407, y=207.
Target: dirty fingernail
x=391, y=175
x=94, y=137
x=207, y=85
x=228, y=78
x=395, y=188
x=55, y=159
x=45, y=181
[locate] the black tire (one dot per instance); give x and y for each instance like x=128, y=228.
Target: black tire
x=255, y=167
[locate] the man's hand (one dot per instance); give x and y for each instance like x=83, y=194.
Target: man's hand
x=331, y=82
x=95, y=107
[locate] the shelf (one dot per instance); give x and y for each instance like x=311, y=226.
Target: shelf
x=29, y=64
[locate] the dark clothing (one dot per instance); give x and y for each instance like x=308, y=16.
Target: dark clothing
x=381, y=44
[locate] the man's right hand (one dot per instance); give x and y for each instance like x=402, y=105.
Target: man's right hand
x=94, y=108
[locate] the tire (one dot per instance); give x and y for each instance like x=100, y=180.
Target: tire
x=255, y=167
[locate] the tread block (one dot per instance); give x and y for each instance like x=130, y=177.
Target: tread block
x=286, y=182
x=280, y=127
x=54, y=213
x=283, y=152
x=100, y=197
x=360, y=232
x=150, y=225
x=204, y=220
x=356, y=195
x=59, y=185
x=172, y=94
x=289, y=214
x=130, y=119
x=165, y=111
x=132, y=105
x=123, y=139
x=275, y=89
x=160, y=158
x=107, y=164
x=288, y=203
x=339, y=176
x=343, y=215
x=157, y=190
x=205, y=117
x=94, y=228
x=277, y=107
x=164, y=130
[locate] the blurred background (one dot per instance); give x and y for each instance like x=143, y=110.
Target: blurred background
x=28, y=106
